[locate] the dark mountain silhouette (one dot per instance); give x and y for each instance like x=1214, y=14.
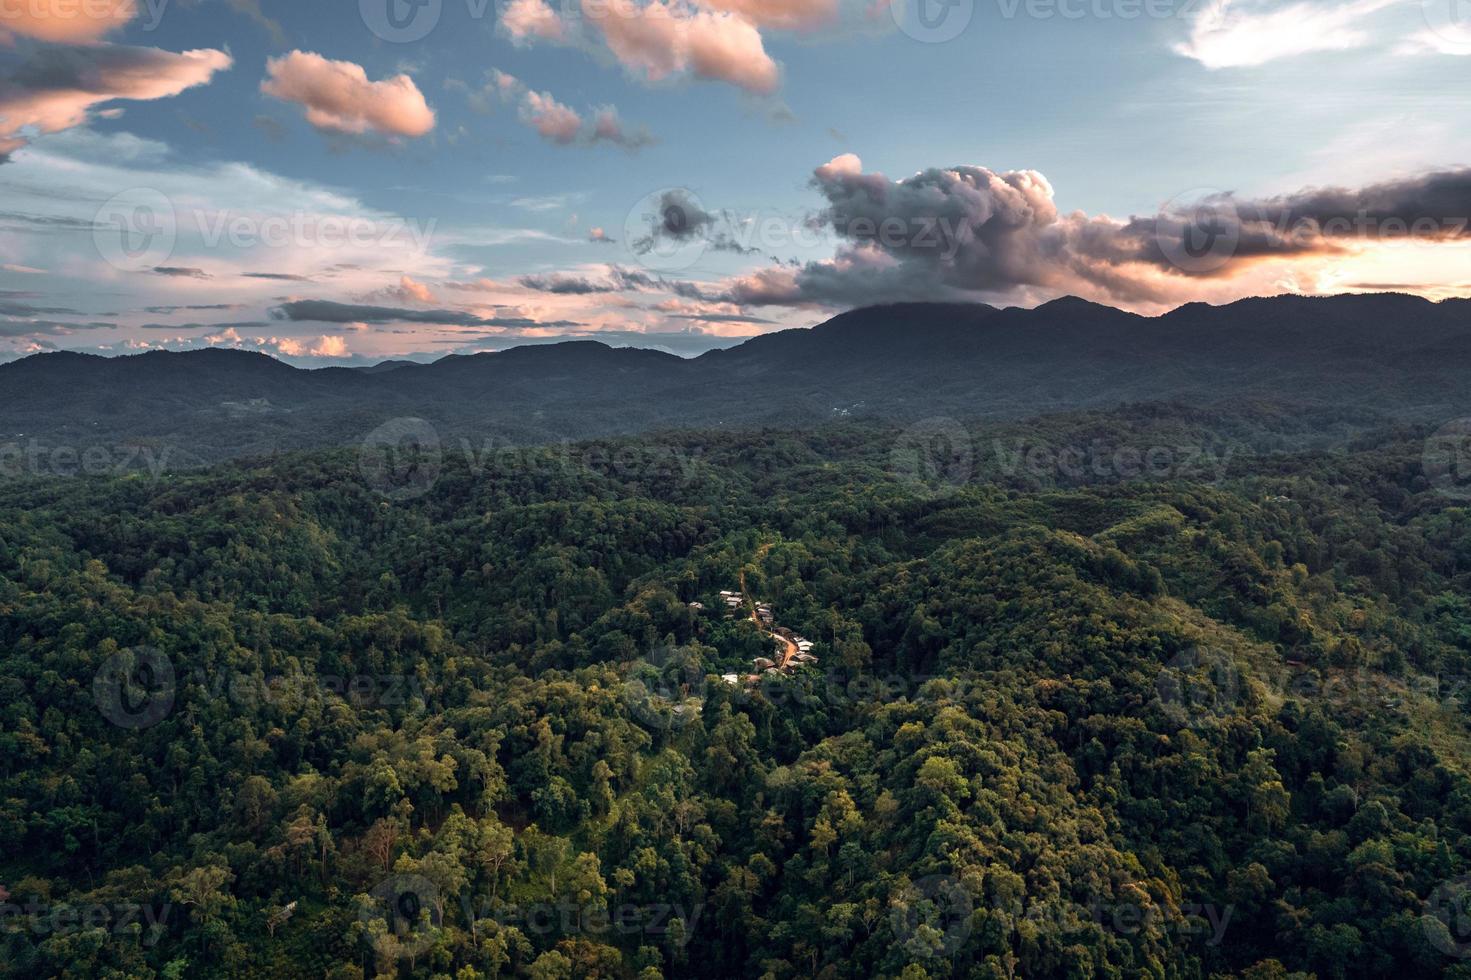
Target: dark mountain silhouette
x=1370, y=357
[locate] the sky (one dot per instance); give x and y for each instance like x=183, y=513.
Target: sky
x=348, y=181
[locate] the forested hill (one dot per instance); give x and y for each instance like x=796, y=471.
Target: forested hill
x=1069, y=717
x=1367, y=357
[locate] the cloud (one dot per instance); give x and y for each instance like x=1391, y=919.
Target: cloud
x=661, y=40
x=558, y=123
x=65, y=21
x=616, y=280
x=715, y=40
x=1233, y=34
x=189, y=306
x=600, y=237
x=54, y=86
x=553, y=120
x=964, y=232
x=338, y=96
x=251, y=9
x=522, y=20
x=1437, y=42
x=9, y=306
x=326, y=311
x=408, y=290
x=180, y=272
x=30, y=328
x=790, y=15
x=498, y=86
x=678, y=219
x=608, y=128
x=325, y=346
x=279, y=276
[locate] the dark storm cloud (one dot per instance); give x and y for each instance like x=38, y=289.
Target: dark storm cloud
x=960, y=231
x=677, y=217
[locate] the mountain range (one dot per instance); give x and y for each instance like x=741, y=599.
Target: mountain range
x=1384, y=357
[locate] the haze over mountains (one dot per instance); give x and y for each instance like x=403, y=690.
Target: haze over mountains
x=1378, y=357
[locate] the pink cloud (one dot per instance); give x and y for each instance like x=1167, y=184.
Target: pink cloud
x=842, y=165
x=339, y=97
x=786, y=15
x=553, y=120
x=54, y=88
x=408, y=290
x=523, y=19
x=661, y=40
x=416, y=291
x=65, y=21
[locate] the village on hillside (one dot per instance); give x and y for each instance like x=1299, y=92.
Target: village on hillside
x=792, y=650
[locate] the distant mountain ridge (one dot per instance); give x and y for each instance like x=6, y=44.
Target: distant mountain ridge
x=1387, y=356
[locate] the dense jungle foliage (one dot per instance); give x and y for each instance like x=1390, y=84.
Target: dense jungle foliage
x=1143, y=693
